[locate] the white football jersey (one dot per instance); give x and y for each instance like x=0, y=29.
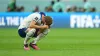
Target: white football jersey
x=26, y=22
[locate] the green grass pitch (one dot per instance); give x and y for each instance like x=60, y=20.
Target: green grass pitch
x=59, y=42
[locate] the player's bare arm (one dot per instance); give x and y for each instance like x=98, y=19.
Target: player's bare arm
x=33, y=25
x=42, y=30
x=48, y=22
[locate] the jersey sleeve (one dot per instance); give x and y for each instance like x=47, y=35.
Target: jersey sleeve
x=36, y=17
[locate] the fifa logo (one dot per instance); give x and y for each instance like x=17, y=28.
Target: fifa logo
x=84, y=21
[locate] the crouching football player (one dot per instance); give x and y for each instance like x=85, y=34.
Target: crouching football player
x=35, y=25
x=41, y=33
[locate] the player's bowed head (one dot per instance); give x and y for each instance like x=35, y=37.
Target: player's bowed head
x=48, y=22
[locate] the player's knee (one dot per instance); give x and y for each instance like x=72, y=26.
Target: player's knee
x=31, y=32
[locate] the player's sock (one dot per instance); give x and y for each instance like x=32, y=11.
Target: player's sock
x=28, y=35
x=27, y=38
x=37, y=38
x=33, y=43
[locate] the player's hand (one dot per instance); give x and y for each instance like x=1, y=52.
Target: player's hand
x=44, y=26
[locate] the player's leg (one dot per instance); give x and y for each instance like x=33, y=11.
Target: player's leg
x=29, y=33
x=22, y=34
x=34, y=42
x=41, y=33
x=40, y=36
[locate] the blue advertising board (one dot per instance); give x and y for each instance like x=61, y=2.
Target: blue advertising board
x=60, y=20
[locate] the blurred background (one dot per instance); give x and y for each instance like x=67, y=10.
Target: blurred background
x=49, y=5
x=71, y=12
x=75, y=30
